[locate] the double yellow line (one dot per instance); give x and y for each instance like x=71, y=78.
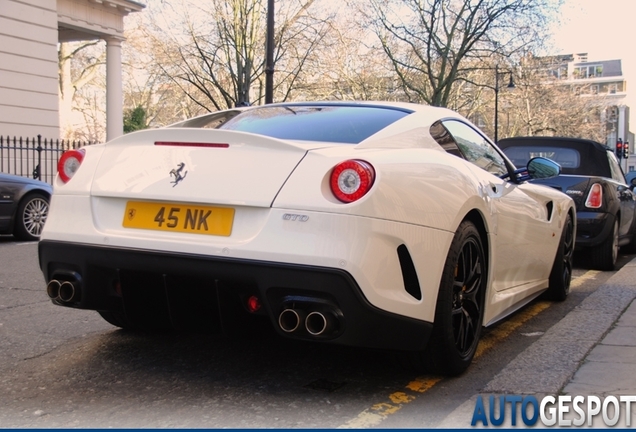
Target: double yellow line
x=377, y=413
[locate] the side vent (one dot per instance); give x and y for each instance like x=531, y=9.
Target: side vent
x=411, y=283
x=550, y=208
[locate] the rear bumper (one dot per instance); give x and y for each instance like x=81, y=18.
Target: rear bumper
x=175, y=287
x=593, y=228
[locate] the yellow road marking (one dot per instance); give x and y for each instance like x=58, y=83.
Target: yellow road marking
x=377, y=413
x=590, y=274
x=504, y=329
x=373, y=416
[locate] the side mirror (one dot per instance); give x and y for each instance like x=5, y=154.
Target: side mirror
x=542, y=168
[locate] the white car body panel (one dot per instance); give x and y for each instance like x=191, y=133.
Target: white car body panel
x=231, y=181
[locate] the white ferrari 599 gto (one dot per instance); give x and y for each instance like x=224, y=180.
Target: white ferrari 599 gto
x=387, y=225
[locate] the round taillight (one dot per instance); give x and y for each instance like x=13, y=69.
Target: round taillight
x=351, y=180
x=69, y=163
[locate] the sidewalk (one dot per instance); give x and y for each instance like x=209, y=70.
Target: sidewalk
x=591, y=351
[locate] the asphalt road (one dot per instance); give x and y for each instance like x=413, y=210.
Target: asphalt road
x=69, y=368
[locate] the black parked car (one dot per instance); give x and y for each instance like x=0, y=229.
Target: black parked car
x=24, y=205
x=592, y=176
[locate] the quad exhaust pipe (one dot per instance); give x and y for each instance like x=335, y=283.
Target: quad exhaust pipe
x=53, y=288
x=291, y=320
x=316, y=323
x=68, y=292
x=64, y=290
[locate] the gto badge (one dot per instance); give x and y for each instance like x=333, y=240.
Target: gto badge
x=176, y=172
x=295, y=217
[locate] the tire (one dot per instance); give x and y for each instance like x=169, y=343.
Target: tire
x=630, y=248
x=31, y=216
x=460, y=305
x=604, y=256
x=561, y=274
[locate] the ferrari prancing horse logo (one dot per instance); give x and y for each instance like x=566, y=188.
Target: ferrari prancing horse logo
x=176, y=172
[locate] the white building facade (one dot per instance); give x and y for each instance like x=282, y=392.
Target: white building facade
x=30, y=31
x=603, y=82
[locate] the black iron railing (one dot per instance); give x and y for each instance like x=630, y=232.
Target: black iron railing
x=34, y=157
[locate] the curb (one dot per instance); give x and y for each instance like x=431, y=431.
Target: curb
x=548, y=365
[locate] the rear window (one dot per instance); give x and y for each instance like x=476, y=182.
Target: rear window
x=568, y=158
x=341, y=124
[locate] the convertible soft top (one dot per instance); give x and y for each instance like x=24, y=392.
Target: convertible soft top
x=577, y=156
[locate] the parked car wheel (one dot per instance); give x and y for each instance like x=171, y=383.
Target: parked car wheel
x=561, y=273
x=604, y=256
x=31, y=215
x=459, y=310
x=630, y=247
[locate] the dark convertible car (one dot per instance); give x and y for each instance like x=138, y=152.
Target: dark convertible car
x=24, y=205
x=592, y=176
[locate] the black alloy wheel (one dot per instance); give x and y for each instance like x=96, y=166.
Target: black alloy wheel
x=460, y=304
x=561, y=274
x=466, y=310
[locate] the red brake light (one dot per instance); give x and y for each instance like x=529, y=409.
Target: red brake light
x=253, y=304
x=191, y=144
x=69, y=163
x=351, y=180
x=595, y=197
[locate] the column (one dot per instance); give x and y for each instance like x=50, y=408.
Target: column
x=622, y=133
x=114, y=93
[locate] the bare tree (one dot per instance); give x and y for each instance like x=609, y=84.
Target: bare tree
x=79, y=66
x=545, y=105
x=303, y=38
x=217, y=59
x=433, y=44
x=539, y=103
x=145, y=84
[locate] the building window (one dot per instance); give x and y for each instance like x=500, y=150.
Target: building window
x=558, y=72
x=582, y=72
x=594, y=89
x=612, y=89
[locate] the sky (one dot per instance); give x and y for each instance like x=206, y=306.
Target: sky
x=605, y=30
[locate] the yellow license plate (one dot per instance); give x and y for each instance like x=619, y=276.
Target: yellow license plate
x=179, y=218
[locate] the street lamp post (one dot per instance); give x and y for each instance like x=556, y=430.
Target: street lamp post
x=510, y=85
x=269, y=61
